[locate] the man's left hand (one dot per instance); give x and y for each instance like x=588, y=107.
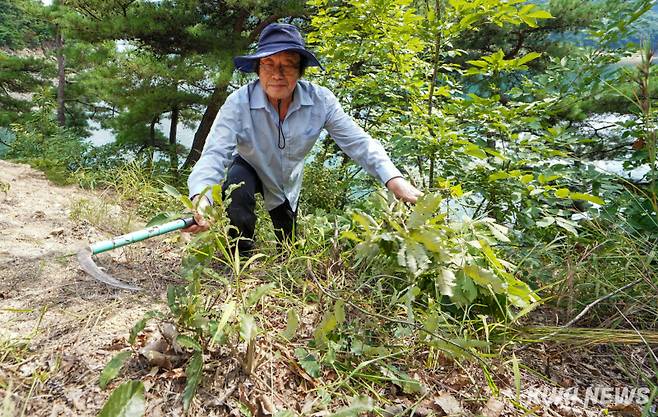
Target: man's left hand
x=403, y=190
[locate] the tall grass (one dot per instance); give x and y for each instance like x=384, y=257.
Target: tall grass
x=602, y=260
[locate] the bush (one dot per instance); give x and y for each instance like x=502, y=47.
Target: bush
x=57, y=153
x=324, y=189
x=450, y=260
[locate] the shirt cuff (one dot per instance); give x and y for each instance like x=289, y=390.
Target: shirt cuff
x=198, y=189
x=387, y=171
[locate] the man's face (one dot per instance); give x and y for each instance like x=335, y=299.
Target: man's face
x=278, y=74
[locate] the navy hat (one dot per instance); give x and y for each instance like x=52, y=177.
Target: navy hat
x=275, y=38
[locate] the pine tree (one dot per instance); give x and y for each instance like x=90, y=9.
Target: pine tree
x=22, y=68
x=188, y=36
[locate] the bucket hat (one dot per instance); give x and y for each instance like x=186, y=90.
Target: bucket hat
x=275, y=38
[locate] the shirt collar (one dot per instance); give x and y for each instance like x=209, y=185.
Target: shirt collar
x=258, y=98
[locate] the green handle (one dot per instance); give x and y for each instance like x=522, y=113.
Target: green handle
x=139, y=235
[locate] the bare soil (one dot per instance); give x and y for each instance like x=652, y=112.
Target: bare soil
x=59, y=328
x=58, y=325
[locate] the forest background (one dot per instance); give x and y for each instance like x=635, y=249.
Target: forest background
x=531, y=127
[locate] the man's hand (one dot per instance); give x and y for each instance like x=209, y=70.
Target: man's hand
x=403, y=190
x=201, y=203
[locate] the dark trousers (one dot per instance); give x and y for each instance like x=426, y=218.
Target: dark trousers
x=242, y=210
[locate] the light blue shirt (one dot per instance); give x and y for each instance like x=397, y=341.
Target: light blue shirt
x=247, y=125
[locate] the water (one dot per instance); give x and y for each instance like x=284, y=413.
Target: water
x=100, y=136
x=609, y=126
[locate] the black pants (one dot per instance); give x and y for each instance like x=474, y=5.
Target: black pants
x=242, y=210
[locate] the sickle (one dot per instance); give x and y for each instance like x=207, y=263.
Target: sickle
x=89, y=266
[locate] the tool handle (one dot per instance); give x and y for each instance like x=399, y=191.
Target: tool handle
x=139, y=235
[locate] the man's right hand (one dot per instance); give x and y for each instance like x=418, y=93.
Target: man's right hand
x=201, y=203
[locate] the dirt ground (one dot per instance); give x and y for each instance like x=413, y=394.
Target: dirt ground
x=68, y=320
x=59, y=328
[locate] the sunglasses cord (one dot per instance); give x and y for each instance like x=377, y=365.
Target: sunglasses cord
x=281, y=135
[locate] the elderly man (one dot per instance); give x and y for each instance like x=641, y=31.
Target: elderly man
x=265, y=129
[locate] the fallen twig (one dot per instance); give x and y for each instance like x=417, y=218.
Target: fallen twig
x=599, y=300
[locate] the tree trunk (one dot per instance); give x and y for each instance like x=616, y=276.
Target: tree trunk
x=173, y=154
x=61, y=77
x=431, y=174
x=216, y=100
x=151, y=152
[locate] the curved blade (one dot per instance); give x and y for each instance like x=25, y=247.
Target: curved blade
x=88, y=265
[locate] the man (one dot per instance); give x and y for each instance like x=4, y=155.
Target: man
x=266, y=128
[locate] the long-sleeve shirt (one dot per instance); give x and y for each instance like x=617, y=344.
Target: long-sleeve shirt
x=247, y=125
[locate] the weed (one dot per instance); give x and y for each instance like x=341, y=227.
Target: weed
x=4, y=188
x=604, y=259
x=102, y=214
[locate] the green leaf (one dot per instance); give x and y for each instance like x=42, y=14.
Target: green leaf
x=126, y=401
x=244, y=410
x=141, y=324
x=365, y=220
x=401, y=255
x=112, y=368
x=339, y=311
x=535, y=191
x=227, y=313
x=540, y=14
x=216, y=193
x=567, y=225
x=543, y=179
x=546, y=221
x=172, y=191
x=417, y=259
x=491, y=256
x=456, y=191
x=255, y=296
x=562, y=193
x=350, y=235
x=587, y=197
x=248, y=327
x=308, y=362
x=251, y=260
x=500, y=175
x=465, y=291
x=188, y=342
x=499, y=232
x=327, y=325
x=426, y=207
x=484, y=277
x=357, y=406
x=291, y=325
x=520, y=294
x=527, y=178
x=163, y=218
x=528, y=57
x=475, y=151
x=430, y=238
x=445, y=282
x=194, y=371
x=187, y=202
x=402, y=379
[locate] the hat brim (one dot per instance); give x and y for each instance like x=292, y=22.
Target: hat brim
x=247, y=63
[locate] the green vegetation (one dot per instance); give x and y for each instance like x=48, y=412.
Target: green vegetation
x=489, y=105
